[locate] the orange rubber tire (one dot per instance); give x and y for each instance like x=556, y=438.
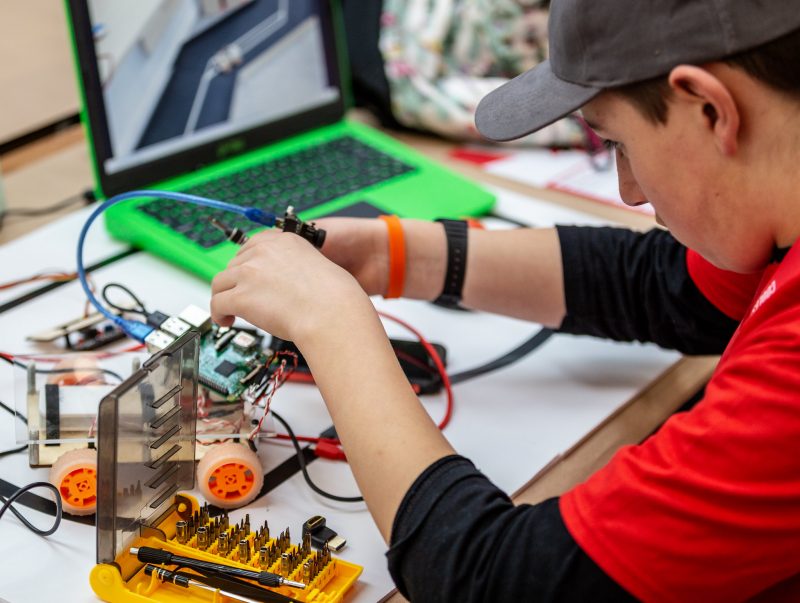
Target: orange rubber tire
x=230, y=475
x=75, y=476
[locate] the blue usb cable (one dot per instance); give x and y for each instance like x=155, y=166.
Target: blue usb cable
x=134, y=328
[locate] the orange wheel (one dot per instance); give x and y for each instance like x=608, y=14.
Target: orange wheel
x=75, y=476
x=230, y=475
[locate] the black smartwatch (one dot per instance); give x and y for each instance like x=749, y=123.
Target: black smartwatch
x=456, y=233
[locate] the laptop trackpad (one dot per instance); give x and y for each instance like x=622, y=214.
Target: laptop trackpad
x=362, y=209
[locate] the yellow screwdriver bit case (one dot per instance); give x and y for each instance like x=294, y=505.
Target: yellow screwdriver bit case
x=146, y=458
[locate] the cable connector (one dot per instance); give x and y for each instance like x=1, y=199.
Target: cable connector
x=328, y=448
x=307, y=230
x=135, y=329
x=259, y=216
x=321, y=535
x=156, y=319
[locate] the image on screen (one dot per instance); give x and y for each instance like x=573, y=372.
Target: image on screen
x=180, y=73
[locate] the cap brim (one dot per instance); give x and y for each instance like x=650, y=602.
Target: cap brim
x=528, y=103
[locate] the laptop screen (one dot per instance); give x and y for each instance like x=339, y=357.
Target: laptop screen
x=175, y=76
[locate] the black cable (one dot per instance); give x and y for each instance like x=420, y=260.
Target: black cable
x=42, y=211
x=302, y=461
x=517, y=223
x=42, y=504
x=138, y=309
x=26, y=297
x=522, y=350
x=7, y=502
x=86, y=196
x=519, y=352
x=10, y=410
x=39, y=371
x=22, y=418
x=5, y=453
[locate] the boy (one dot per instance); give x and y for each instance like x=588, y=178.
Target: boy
x=701, y=100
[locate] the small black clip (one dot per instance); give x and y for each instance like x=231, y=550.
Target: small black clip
x=307, y=230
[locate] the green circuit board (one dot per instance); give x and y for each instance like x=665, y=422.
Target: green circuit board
x=230, y=361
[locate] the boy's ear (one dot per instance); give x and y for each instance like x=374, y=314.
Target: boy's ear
x=713, y=99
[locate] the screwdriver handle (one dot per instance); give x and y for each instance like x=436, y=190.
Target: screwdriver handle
x=269, y=579
x=166, y=576
x=147, y=554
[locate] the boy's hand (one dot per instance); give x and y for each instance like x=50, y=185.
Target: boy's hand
x=361, y=247
x=281, y=283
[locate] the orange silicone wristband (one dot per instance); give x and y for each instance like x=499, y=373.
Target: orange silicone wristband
x=397, y=257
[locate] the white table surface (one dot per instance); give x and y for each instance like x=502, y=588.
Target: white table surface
x=511, y=422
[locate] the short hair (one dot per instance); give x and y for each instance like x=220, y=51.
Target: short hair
x=776, y=64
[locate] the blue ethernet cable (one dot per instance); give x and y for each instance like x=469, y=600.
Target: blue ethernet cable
x=134, y=328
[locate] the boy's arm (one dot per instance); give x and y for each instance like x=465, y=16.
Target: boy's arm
x=607, y=282
x=517, y=273
x=457, y=537
x=631, y=286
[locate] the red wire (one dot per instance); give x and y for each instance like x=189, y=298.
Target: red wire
x=309, y=439
x=269, y=394
x=437, y=361
x=448, y=412
x=134, y=348
x=280, y=376
x=421, y=338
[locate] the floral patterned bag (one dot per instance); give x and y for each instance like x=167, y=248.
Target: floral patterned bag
x=442, y=56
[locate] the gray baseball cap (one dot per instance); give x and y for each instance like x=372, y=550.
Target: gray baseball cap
x=600, y=44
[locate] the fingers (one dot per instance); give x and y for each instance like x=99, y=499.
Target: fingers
x=264, y=243
x=224, y=321
x=246, y=251
x=223, y=281
x=223, y=308
x=224, y=295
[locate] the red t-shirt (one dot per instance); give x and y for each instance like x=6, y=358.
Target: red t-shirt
x=708, y=508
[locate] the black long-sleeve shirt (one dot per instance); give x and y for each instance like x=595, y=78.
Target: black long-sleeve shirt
x=456, y=536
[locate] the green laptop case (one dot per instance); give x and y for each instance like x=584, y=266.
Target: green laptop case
x=427, y=191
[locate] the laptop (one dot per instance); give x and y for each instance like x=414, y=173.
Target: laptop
x=242, y=101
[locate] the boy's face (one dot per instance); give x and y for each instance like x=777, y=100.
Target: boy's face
x=672, y=167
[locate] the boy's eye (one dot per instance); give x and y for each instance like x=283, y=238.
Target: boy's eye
x=611, y=145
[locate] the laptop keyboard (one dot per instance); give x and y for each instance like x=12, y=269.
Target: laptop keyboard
x=303, y=179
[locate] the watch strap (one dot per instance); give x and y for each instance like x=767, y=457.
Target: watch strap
x=456, y=234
